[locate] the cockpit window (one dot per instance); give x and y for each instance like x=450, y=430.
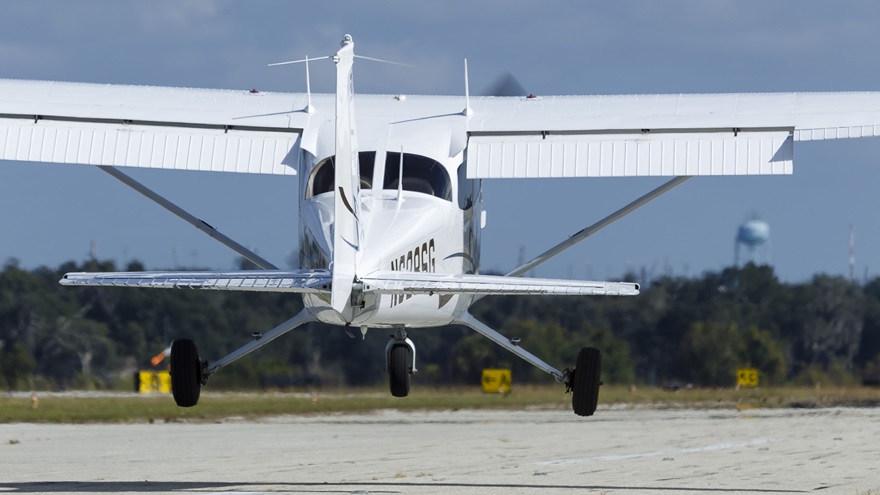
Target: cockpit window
x=420, y=174
x=325, y=173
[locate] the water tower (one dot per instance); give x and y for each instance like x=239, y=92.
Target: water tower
x=754, y=235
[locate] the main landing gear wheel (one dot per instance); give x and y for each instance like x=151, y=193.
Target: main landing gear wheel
x=186, y=373
x=399, y=371
x=585, y=381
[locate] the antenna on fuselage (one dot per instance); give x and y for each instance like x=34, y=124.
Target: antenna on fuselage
x=383, y=61
x=467, y=112
x=309, y=108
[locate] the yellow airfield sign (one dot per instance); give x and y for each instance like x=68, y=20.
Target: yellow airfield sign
x=496, y=381
x=747, y=377
x=150, y=382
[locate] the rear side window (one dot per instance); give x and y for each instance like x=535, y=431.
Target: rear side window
x=467, y=189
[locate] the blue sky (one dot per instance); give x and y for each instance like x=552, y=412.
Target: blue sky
x=52, y=213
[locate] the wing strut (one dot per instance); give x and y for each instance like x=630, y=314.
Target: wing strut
x=596, y=227
x=186, y=216
x=301, y=318
x=469, y=321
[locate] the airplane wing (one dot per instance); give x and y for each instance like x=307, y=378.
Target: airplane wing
x=658, y=135
x=394, y=282
x=153, y=127
x=510, y=137
x=302, y=281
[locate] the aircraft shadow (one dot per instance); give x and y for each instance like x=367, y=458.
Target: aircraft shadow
x=345, y=487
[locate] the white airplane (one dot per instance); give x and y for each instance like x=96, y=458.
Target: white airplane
x=390, y=191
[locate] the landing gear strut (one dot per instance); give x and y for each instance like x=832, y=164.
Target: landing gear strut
x=582, y=381
x=189, y=373
x=400, y=362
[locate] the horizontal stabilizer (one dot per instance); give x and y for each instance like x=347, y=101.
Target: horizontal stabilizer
x=392, y=282
x=302, y=281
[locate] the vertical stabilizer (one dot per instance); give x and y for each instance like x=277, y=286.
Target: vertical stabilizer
x=346, y=235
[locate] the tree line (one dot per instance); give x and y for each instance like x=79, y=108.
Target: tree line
x=678, y=331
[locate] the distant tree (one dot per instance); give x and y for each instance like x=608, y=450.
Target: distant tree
x=709, y=354
x=831, y=313
x=617, y=361
x=761, y=351
x=869, y=344
x=473, y=354
x=695, y=329
x=17, y=365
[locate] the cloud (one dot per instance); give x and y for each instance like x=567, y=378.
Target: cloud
x=178, y=14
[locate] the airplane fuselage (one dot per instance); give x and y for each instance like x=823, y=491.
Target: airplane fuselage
x=428, y=221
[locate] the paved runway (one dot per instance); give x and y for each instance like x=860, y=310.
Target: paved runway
x=457, y=452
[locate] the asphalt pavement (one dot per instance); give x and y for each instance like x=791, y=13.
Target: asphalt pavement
x=618, y=451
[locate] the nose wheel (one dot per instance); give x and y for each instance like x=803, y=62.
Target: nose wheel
x=400, y=359
x=399, y=370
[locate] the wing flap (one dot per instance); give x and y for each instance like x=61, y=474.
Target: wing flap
x=167, y=146
x=301, y=281
x=391, y=282
x=631, y=154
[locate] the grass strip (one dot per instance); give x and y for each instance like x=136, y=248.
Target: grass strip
x=126, y=408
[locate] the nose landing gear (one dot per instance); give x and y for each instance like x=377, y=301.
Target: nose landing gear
x=400, y=362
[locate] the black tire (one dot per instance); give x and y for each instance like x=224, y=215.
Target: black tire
x=186, y=373
x=399, y=365
x=585, y=381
